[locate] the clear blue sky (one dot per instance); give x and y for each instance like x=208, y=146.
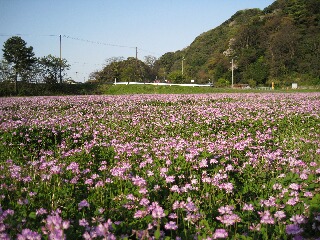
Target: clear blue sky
x=154, y=26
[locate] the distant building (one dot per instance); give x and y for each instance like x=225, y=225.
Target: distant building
x=70, y=81
x=241, y=86
x=294, y=85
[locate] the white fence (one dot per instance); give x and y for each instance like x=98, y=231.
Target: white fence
x=165, y=84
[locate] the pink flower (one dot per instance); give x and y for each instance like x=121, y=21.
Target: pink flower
x=175, y=188
x=266, y=217
x=83, y=204
x=170, y=179
x=280, y=215
x=308, y=194
x=229, y=219
x=103, y=230
x=143, y=190
x=292, y=201
x=304, y=176
x=220, y=233
x=41, y=211
x=248, y=207
x=28, y=234
x=139, y=181
x=298, y=219
x=277, y=186
x=293, y=229
x=55, y=225
x=171, y=226
x=158, y=212
x=226, y=209
x=140, y=214
x=89, y=181
x=294, y=186
x=144, y=202
x=173, y=215
x=83, y=222
x=255, y=227
x=228, y=187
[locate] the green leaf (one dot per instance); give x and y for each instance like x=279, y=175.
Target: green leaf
x=157, y=234
x=32, y=215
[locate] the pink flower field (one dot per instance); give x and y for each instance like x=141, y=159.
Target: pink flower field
x=214, y=166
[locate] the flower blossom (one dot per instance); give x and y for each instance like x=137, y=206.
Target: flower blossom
x=229, y=219
x=83, y=204
x=27, y=234
x=220, y=233
x=266, y=217
x=171, y=226
x=293, y=229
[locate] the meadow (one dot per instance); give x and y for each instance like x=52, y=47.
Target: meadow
x=193, y=166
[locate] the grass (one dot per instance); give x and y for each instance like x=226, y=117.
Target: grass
x=27, y=89
x=152, y=89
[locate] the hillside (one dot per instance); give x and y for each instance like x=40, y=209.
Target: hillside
x=279, y=44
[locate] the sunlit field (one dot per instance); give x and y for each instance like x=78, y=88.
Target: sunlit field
x=206, y=166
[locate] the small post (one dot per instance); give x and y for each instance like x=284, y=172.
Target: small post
x=232, y=73
x=60, y=62
x=16, y=83
x=182, y=66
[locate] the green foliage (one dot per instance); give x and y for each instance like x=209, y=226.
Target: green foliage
x=42, y=89
x=6, y=71
x=257, y=71
x=222, y=83
x=20, y=65
x=176, y=77
x=50, y=67
x=275, y=43
x=16, y=52
x=129, y=70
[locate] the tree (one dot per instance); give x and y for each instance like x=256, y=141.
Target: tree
x=111, y=71
x=50, y=68
x=257, y=72
x=282, y=49
x=16, y=52
x=176, y=77
x=6, y=71
x=127, y=70
x=150, y=61
x=167, y=61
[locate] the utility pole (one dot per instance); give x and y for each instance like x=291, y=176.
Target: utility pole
x=136, y=53
x=232, y=73
x=182, y=66
x=60, y=62
x=137, y=61
x=16, y=82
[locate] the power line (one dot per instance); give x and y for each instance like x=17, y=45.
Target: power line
x=100, y=43
x=108, y=44
x=77, y=39
x=28, y=34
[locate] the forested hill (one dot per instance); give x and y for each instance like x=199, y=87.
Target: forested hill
x=279, y=44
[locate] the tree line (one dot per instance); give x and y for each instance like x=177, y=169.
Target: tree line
x=20, y=64
x=279, y=44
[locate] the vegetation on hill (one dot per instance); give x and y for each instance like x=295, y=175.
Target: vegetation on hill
x=279, y=44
